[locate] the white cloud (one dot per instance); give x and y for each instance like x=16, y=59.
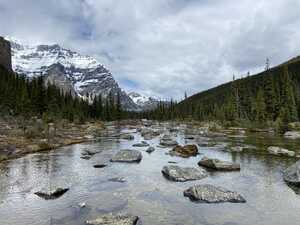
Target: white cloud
x=165, y=47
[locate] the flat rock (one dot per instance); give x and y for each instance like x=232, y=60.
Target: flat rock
x=274, y=150
x=217, y=164
x=127, y=155
x=100, y=166
x=52, y=194
x=127, y=136
x=182, y=174
x=150, y=150
x=292, y=174
x=87, y=157
x=184, y=151
x=114, y=220
x=117, y=179
x=168, y=143
x=142, y=144
x=210, y=194
x=235, y=149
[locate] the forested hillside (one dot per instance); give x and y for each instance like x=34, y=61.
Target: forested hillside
x=270, y=96
x=26, y=98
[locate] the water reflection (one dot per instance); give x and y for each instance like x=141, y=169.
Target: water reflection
x=146, y=192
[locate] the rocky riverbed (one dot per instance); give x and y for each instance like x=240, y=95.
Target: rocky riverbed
x=107, y=184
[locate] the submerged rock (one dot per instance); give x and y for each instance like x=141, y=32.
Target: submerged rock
x=182, y=174
x=217, y=164
x=210, y=194
x=87, y=157
x=235, y=149
x=87, y=152
x=149, y=134
x=117, y=179
x=184, y=151
x=292, y=174
x=150, y=150
x=52, y=194
x=127, y=156
x=114, y=220
x=100, y=166
x=189, y=137
x=142, y=144
x=274, y=150
x=168, y=143
x=127, y=136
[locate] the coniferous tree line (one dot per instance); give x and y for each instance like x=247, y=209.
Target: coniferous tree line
x=271, y=96
x=24, y=97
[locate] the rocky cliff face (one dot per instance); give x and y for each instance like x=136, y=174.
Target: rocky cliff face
x=5, y=54
x=72, y=72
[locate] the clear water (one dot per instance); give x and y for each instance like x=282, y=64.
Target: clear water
x=146, y=193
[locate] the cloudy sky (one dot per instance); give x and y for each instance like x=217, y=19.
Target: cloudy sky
x=163, y=47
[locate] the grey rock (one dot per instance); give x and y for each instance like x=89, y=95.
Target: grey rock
x=114, y=220
x=142, y=144
x=127, y=136
x=292, y=174
x=52, y=194
x=274, y=150
x=235, y=149
x=166, y=142
x=292, y=134
x=100, y=166
x=127, y=156
x=117, y=179
x=182, y=174
x=86, y=157
x=210, y=194
x=150, y=150
x=217, y=164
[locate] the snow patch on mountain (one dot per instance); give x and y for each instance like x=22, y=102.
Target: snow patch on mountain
x=80, y=74
x=146, y=103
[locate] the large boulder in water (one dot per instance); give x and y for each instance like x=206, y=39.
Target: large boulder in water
x=127, y=155
x=182, y=174
x=292, y=174
x=217, y=164
x=114, y=220
x=210, y=194
x=184, y=151
x=274, y=150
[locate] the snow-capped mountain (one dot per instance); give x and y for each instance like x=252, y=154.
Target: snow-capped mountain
x=144, y=102
x=81, y=75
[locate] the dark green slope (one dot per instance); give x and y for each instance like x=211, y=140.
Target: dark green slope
x=269, y=95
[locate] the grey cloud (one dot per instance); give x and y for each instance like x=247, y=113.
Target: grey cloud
x=165, y=47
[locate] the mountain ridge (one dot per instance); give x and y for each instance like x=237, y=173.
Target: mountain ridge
x=79, y=74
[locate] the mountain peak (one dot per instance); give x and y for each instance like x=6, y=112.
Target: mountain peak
x=79, y=74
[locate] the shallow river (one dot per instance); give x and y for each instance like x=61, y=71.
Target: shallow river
x=146, y=193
